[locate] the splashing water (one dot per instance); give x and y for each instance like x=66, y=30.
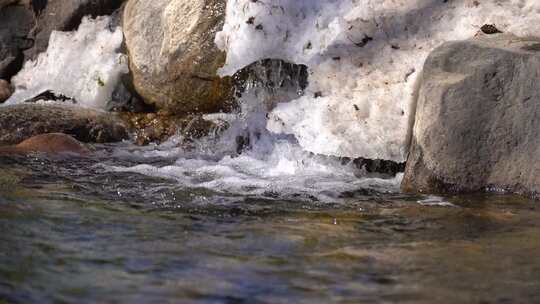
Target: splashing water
x=247, y=159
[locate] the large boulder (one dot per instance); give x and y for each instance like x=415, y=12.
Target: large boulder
x=172, y=54
x=477, y=121
x=20, y=122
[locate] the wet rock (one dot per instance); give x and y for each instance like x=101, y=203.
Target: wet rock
x=158, y=127
x=49, y=95
x=273, y=80
x=50, y=143
x=490, y=29
x=16, y=22
x=477, y=118
x=385, y=167
x=126, y=99
x=172, y=53
x=5, y=90
x=20, y=122
x=63, y=15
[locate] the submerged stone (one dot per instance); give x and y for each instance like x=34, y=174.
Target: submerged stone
x=477, y=118
x=50, y=143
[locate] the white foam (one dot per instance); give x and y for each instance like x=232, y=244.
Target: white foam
x=366, y=90
x=286, y=172
x=85, y=65
x=435, y=201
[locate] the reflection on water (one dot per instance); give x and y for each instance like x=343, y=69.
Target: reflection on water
x=73, y=232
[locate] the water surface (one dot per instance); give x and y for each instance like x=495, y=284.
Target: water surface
x=74, y=231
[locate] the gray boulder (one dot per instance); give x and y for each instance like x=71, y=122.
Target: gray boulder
x=20, y=122
x=172, y=53
x=477, y=125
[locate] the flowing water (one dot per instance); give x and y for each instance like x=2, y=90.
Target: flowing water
x=247, y=216
x=73, y=230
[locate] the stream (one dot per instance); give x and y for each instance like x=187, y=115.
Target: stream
x=92, y=230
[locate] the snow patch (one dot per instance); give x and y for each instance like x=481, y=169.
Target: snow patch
x=84, y=65
x=364, y=57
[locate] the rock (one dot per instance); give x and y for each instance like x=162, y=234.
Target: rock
x=173, y=57
x=19, y=122
x=125, y=99
x=478, y=118
x=381, y=166
x=272, y=80
x=64, y=15
x=157, y=128
x=49, y=95
x=51, y=143
x=16, y=22
x=5, y=90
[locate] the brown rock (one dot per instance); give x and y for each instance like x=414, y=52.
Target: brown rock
x=52, y=143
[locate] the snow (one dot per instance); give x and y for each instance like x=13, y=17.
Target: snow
x=84, y=65
x=364, y=58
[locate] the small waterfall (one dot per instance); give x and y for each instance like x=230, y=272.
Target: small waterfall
x=259, y=88
x=247, y=159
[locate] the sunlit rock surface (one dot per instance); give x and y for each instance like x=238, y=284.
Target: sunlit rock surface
x=364, y=58
x=173, y=56
x=84, y=65
x=477, y=120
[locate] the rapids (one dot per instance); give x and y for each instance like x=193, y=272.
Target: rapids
x=247, y=159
